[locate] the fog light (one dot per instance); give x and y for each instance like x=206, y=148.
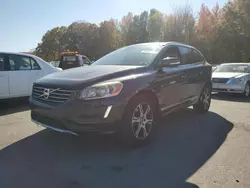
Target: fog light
x=107, y=111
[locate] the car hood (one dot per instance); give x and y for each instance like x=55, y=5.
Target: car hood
x=228, y=74
x=85, y=76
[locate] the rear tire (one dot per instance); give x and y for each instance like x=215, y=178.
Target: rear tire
x=204, y=101
x=138, y=121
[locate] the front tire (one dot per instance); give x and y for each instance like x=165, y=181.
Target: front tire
x=247, y=90
x=138, y=120
x=204, y=101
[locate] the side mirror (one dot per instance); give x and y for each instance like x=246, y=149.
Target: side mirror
x=170, y=62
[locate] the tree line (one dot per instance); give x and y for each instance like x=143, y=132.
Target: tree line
x=222, y=34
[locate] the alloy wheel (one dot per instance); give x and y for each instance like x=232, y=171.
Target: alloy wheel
x=206, y=98
x=142, y=121
x=247, y=90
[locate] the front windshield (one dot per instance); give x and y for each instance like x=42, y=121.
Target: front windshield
x=233, y=68
x=138, y=55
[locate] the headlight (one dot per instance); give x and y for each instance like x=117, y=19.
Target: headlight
x=101, y=90
x=239, y=80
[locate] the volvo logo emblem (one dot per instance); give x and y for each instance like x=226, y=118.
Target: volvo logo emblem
x=46, y=93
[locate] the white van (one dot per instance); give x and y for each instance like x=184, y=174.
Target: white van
x=19, y=71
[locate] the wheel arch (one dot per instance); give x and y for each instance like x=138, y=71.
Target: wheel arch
x=151, y=94
x=208, y=82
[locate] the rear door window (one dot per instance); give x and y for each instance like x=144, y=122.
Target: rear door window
x=190, y=55
x=18, y=63
x=185, y=55
x=196, y=56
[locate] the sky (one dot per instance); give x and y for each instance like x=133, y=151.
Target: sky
x=24, y=22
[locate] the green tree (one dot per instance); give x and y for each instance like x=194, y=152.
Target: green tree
x=109, y=37
x=143, y=23
x=134, y=28
x=125, y=27
x=155, y=25
x=206, y=32
x=82, y=37
x=229, y=36
x=180, y=25
x=51, y=43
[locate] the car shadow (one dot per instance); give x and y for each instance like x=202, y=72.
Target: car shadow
x=184, y=142
x=230, y=97
x=11, y=106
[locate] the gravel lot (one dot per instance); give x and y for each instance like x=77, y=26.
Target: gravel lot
x=210, y=150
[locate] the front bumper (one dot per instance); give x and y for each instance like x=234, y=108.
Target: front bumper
x=77, y=116
x=228, y=88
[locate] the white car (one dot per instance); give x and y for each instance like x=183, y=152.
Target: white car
x=214, y=68
x=55, y=63
x=232, y=78
x=19, y=71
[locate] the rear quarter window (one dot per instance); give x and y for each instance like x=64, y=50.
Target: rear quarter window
x=34, y=64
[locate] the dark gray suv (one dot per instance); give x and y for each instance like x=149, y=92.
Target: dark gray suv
x=125, y=91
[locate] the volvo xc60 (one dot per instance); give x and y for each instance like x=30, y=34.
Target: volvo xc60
x=125, y=91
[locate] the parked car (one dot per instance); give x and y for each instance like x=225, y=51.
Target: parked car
x=19, y=71
x=232, y=78
x=124, y=91
x=72, y=60
x=214, y=67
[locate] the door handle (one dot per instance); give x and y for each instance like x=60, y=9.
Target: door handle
x=173, y=82
x=183, y=77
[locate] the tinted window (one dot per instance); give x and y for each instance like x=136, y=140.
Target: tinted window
x=190, y=56
x=34, y=65
x=185, y=55
x=138, y=55
x=18, y=62
x=1, y=62
x=197, y=57
x=172, y=52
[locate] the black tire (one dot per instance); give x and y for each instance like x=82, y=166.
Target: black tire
x=203, y=105
x=247, y=90
x=128, y=128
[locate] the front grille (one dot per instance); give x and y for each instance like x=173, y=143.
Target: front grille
x=220, y=80
x=56, y=95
